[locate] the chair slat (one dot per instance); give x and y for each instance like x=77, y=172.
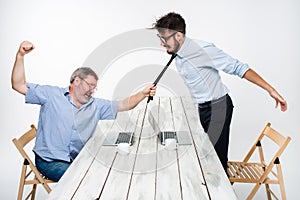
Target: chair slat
x=257, y=172
x=28, y=167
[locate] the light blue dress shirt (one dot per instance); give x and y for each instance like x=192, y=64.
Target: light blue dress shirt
x=63, y=129
x=199, y=62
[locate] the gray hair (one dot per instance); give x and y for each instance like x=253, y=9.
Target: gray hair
x=83, y=72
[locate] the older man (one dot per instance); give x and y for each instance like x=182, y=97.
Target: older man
x=68, y=116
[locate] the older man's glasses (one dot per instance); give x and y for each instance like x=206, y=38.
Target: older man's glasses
x=91, y=86
x=165, y=39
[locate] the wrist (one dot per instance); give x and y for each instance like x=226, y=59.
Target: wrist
x=143, y=94
x=20, y=55
x=270, y=89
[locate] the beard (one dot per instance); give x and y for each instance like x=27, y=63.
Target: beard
x=85, y=98
x=82, y=96
x=175, y=49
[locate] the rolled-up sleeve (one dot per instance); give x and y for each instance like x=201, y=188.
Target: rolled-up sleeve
x=225, y=62
x=36, y=94
x=108, y=109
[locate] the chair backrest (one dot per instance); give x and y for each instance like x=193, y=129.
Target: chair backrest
x=258, y=171
x=24, y=140
x=275, y=137
x=26, y=137
x=20, y=144
x=279, y=140
x=26, y=178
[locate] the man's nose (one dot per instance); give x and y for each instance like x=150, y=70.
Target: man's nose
x=162, y=44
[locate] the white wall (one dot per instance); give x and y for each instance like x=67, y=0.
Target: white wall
x=265, y=34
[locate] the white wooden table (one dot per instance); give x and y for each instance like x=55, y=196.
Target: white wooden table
x=149, y=171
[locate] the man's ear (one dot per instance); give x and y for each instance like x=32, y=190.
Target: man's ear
x=179, y=36
x=76, y=81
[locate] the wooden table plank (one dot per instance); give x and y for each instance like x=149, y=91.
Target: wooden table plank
x=167, y=180
x=143, y=179
x=118, y=181
x=190, y=172
x=91, y=187
x=215, y=177
x=73, y=177
x=149, y=171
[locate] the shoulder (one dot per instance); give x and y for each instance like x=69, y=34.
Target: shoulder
x=46, y=88
x=108, y=109
x=103, y=102
x=203, y=43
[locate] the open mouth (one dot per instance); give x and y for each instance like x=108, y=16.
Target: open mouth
x=88, y=95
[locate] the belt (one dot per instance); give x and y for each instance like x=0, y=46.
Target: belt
x=208, y=104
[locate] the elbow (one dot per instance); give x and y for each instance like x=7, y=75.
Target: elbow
x=20, y=89
x=14, y=86
x=245, y=73
x=132, y=107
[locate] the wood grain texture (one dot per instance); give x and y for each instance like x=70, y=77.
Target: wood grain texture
x=149, y=171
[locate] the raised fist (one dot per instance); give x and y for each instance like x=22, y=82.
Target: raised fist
x=25, y=48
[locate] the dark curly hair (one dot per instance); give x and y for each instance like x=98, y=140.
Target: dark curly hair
x=172, y=21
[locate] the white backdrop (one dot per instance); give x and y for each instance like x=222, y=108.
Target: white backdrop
x=264, y=34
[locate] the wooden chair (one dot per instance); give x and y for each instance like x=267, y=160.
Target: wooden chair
x=29, y=176
x=261, y=172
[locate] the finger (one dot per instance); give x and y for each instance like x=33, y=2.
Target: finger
x=276, y=105
x=283, y=106
x=153, y=87
x=152, y=93
x=28, y=47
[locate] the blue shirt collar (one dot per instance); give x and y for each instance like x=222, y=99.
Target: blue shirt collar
x=181, y=52
x=66, y=90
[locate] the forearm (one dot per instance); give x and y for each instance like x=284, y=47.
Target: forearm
x=131, y=102
x=253, y=77
x=18, y=80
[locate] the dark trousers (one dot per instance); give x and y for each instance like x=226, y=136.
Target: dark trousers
x=215, y=118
